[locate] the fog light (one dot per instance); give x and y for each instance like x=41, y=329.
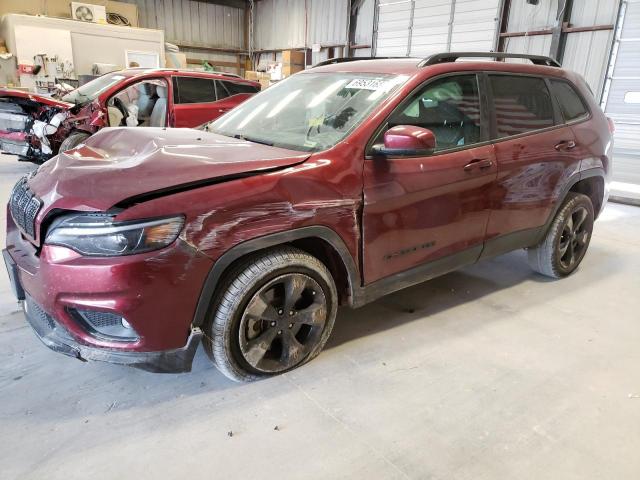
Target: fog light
x=106, y=325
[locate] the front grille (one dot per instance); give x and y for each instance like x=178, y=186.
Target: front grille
x=24, y=206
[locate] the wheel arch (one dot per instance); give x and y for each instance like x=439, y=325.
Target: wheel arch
x=592, y=186
x=319, y=241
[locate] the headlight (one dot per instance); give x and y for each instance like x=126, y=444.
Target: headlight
x=99, y=235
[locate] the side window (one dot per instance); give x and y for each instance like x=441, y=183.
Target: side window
x=571, y=105
x=236, y=88
x=522, y=104
x=449, y=107
x=195, y=90
x=222, y=91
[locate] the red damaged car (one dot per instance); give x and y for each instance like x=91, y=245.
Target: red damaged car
x=336, y=186
x=36, y=127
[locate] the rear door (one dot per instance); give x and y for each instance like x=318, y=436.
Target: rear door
x=536, y=154
x=194, y=101
x=419, y=210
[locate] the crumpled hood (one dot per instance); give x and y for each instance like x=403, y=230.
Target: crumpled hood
x=119, y=164
x=34, y=97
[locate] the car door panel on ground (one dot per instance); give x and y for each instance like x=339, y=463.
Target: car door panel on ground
x=200, y=100
x=421, y=209
x=532, y=169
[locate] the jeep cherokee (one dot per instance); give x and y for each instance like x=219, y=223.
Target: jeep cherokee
x=336, y=186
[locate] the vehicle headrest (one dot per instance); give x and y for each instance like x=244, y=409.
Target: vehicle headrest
x=161, y=91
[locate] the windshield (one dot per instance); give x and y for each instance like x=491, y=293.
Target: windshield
x=308, y=111
x=92, y=89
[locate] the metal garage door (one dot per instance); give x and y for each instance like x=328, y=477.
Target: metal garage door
x=622, y=96
x=419, y=27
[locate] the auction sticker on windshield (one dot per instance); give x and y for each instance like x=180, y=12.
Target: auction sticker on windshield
x=367, y=83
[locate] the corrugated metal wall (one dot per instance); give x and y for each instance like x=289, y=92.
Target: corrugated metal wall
x=193, y=23
x=363, y=28
x=188, y=22
x=585, y=52
x=280, y=24
x=420, y=27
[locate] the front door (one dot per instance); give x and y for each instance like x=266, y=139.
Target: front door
x=431, y=208
x=139, y=104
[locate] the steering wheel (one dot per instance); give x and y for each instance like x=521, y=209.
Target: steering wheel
x=119, y=104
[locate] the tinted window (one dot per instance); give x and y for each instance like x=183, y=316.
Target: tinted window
x=571, y=104
x=449, y=107
x=194, y=90
x=235, y=88
x=522, y=104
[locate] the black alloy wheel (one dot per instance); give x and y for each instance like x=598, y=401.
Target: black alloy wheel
x=282, y=323
x=274, y=312
x=573, y=241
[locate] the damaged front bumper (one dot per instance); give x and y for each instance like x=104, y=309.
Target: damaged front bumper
x=55, y=337
x=27, y=128
x=58, y=336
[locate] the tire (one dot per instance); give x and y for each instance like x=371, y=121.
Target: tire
x=73, y=141
x=567, y=240
x=274, y=312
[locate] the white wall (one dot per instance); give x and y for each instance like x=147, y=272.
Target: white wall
x=91, y=42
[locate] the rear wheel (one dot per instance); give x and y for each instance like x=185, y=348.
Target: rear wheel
x=275, y=312
x=567, y=240
x=73, y=141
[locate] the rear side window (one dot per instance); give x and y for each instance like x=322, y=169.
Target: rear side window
x=194, y=90
x=571, y=105
x=522, y=104
x=236, y=88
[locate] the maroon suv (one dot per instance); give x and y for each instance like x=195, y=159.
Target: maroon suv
x=335, y=186
x=36, y=127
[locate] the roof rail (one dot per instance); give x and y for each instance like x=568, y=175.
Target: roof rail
x=447, y=57
x=333, y=61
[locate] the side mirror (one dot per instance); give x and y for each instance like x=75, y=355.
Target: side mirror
x=406, y=141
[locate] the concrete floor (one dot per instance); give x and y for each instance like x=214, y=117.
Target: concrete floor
x=487, y=373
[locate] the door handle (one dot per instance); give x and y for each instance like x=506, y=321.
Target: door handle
x=480, y=163
x=565, y=145
x=223, y=110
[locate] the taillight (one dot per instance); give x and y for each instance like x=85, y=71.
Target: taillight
x=612, y=126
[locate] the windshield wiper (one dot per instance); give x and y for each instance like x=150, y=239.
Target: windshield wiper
x=253, y=140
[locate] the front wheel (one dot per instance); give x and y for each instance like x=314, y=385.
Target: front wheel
x=275, y=312
x=73, y=141
x=567, y=240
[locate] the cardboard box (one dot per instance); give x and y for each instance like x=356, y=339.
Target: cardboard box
x=175, y=60
x=293, y=57
x=256, y=76
x=288, y=69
